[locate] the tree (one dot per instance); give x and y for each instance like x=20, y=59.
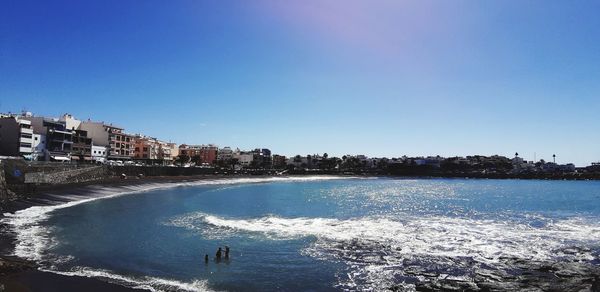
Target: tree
x=182, y=159
x=196, y=159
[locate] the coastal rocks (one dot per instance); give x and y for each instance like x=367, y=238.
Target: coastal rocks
x=11, y=265
x=5, y=193
x=510, y=274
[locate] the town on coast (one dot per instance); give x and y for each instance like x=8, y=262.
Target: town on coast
x=69, y=140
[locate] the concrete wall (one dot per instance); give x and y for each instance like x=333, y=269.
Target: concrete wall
x=69, y=176
x=158, y=170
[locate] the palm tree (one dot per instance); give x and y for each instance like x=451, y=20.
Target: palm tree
x=554, y=157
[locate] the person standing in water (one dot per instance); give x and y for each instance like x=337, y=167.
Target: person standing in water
x=218, y=255
x=206, y=259
x=227, y=252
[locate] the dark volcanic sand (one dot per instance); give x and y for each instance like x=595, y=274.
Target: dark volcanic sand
x=19, y=275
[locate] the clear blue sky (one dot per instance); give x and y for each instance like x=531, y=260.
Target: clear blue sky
x=382, y=78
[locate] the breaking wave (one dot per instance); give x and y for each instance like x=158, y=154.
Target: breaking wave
x=386, y=251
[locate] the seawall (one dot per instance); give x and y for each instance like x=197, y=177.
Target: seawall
x=20, y=179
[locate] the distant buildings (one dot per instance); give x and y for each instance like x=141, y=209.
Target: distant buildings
x=244, y=158
x=152, y=150
x=200, y=154
x=262, y=158
x=225, y=154
x=208, y=154
x=69, y=139
x=279, y=161
x=146, y=148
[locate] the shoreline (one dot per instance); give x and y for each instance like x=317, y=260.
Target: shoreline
x=17, y=274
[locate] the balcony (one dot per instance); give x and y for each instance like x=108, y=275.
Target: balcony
x=57, y=131
x=26, y=140
x=27, y=130
x=61, y=141
x=26, y=150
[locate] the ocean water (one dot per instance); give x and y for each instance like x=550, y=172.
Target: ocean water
x=324, y=234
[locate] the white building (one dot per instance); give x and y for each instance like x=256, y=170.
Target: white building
x=71, y=123
x=99, y=153
x=244, y=158
x=39, y=146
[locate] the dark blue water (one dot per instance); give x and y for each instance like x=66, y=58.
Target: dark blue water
x=322, y=235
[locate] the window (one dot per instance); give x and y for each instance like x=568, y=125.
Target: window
x=137, y=149
x=26, y=135
x=36, y=138
x=26, y=145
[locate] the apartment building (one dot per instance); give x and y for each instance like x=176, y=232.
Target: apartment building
x=16, y=137
x=120, y=145
x=82, y=146
x=146, y=148
x=225, y=154
x=54, y=133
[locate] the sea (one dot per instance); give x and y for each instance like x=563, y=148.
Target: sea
x=323, y=233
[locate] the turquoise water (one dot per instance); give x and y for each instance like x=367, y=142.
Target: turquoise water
x=321, y=235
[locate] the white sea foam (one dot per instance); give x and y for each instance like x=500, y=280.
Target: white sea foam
x=34, y=240
x=486, y=240
x=377, y=248
x=146, y=282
